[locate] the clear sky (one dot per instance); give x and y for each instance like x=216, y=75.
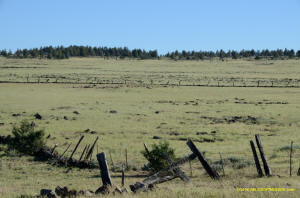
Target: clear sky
x=165, y=25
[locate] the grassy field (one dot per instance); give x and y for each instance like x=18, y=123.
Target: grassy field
x=127, y=102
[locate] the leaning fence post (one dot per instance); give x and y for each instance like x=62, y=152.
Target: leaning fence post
x=87, y=148
x=82, y=153
x=149, y=154
x=76, y=147
x=262, y=154
x=106, y=180
x=65, y=151
x=291, y=152
x=52, y=151
x=257, y=164
x=89, y=152
x=211, y=172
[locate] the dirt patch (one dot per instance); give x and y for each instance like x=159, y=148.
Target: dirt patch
x=15, y=115
x=232, y=119
x=201, y=140
x=263, y=102
x=174, y=133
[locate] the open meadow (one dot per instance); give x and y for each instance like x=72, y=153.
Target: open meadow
x=220, y=105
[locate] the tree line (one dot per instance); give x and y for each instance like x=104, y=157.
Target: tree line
x=221, y=54
x=123, y=52
x=80, y=51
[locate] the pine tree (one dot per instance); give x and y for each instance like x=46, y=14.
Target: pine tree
x=298, y=53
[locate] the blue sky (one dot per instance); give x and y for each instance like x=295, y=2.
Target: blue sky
x=165, y=25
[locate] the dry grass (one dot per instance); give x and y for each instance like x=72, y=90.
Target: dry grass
x=184, y=110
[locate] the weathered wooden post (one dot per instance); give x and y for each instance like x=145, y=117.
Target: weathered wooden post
x=82, y=153
x=262, y=154
x=211, y=172
x=291, y=152
x=105, y=176
x=89, y=154
x=55, y=146
x=222, y=163
x=88, y=148
x=123, y=175
x=148, y=153
x=65, y=151
x=257, y=164
x=176, y=169
x=76, y=147
x=164, y=175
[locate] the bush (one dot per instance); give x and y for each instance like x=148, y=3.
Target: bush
x=26, y=139
x=234, y=162
x=156, y=157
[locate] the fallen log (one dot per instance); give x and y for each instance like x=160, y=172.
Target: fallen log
x=163, y=175
x=176, y=169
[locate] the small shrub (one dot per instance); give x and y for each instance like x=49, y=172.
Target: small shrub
x=26, y=139
x=156, y=157
x=288, y=148
x=234, y=162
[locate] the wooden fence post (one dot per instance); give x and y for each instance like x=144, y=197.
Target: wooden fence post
x=55, y=146
x=211, y=172
x=65, y=151
x=262, y=154
x=148, y=153
x=106, y=180
x=88, y=148
x=76, y=147
x=291, y=152
x=89, y=153
x=257, y=164
x=123, y=175
x=82, y=153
